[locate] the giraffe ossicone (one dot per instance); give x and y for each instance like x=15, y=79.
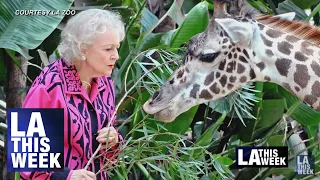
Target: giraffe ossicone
x=235, y=50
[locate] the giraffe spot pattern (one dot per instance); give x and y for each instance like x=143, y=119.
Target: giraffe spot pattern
x=283, y=66
x=310, y=99
x=231, y=66
x=273, y=33
x=243, y=79
x=187, y=70
x=223, y=80
x=171, y=81
x=232, y=79
x=230, y=86
x=266, y=41
x=261, y=26
x=285, y=47
x=194, y=91
x=214, y=88
x=316, y=68
x=267, y=78
x=246, y=53
x=244, y=20
x=252, y=74
x=229, y=56
x=183, y=80
x=222, y=65
x=292, y=39
x=316, y=89
x=233, y=49
x=261, y=65
x=240, y=68
x=235, y=56
x=243, y=59
x=300, y=57
x=209, y=78
x=217, y=75
x=180, y=73
x=269, y=52
x=297, y=88
x=205, y=94
x=301, y=76
x=225, y=40
x=305, y=48
x=287, y=87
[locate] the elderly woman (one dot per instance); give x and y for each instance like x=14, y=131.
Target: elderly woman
x=80, y=83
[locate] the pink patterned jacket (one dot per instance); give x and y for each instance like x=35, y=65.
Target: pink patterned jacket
x=59, y=86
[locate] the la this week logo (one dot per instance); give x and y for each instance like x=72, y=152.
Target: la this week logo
x=35, y=139
x=271, y=156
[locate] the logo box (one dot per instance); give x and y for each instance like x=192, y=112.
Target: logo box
x=305, y=165
x=271, y=156
x=35, y=139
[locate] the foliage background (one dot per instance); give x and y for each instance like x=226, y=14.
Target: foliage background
x=199, y=143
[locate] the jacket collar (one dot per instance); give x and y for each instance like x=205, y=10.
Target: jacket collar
x=72, y=82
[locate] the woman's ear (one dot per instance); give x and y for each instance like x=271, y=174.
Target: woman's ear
x=239, y=32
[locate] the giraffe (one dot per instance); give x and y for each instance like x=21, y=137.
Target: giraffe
x=235, y=50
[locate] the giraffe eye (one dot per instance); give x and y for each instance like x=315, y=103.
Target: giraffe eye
x=209, y=57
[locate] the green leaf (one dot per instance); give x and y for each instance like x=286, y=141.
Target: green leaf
x=148, y=20
x=17, y=31
x=206, y=138
x=276, y=140
x=224, y=160
x=314, y=12
x=311, y=130
x=247, y=173
x=189, y=4
x=270, y=112
x=288, y=6
x=196, y=21
x=298, y=110
x=150, y=41
x=286, y=172
x=16, y=176
x=305, y=3
x=166, y=38
x=156, y=168
x=175, y=12
x=183, y=121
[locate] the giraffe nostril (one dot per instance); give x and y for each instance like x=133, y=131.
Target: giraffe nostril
x=155, y=95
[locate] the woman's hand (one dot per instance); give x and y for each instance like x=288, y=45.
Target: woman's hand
x=113, y=136
x=82, y=174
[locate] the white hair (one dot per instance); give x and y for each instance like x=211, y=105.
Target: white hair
x=82, y=29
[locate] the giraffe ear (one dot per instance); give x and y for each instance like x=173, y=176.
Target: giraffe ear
x=239, y=32
x=287, y=16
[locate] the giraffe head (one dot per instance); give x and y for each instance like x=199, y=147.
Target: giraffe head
x=218, y=61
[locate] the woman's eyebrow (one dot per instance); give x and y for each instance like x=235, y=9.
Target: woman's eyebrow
x=116, y=45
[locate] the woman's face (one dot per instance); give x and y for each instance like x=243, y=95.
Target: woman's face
x=103, y=54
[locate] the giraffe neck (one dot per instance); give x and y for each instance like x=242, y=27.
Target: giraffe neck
x=288, y=61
